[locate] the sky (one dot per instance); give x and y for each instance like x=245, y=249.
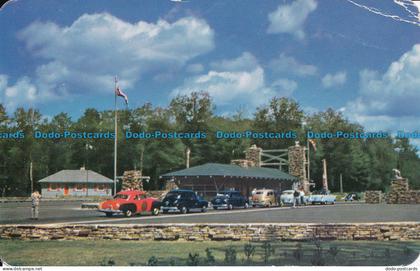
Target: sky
x=361, y=57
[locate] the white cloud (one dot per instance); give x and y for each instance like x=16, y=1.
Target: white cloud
x=290, y=18
x=246, y=62
x=240, y=80
x=334, y=80
x=22, y=92
x=87, y=54
x=288, y=64
x=389, y=100
x=195, y=68
x=285, y=86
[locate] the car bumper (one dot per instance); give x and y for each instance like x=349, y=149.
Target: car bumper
x=224, y=205
x=110, y=211
x=169, y=208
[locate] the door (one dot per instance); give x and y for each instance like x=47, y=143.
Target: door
x=66, y=190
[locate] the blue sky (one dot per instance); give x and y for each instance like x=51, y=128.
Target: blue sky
x=62, y=55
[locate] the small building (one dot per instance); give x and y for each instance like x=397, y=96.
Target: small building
x=210, y=178
x=76, y=183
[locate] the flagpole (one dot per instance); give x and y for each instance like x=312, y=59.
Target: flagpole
x=116, y=136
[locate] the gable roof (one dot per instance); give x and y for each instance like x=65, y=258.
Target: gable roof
x=76, y=176
x=215, y=169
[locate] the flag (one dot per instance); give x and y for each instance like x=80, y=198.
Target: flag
x=312, y=143
x=119, y=92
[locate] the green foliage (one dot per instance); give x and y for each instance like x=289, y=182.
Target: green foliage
x=193, y=259
x=363, y=164
x=249, y=251
x=153, y=261
x=210, y=259
x=230, y=256
x=268, y=251
x=107, y=262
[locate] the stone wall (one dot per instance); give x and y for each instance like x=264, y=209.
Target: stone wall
x=400, y=193
x=373, y=196
x=216, y=232
x=253, y=154
x=243, y=163
x=297, y=165
x=132, y=180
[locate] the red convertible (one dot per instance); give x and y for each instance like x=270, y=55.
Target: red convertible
x=130, y=203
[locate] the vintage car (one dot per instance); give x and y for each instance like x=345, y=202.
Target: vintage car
x=229, y=200
x=321, y=197
x=264, y=197
x=183, y=201
x=287, y=198
x=352, y=196
x=130, y=203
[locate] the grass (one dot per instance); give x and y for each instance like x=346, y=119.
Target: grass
x=125, y=253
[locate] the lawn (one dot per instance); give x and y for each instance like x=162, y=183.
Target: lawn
x=125, y=253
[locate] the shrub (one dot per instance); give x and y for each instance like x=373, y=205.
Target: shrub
x=230, y=256
x=249, y=251
x=209, y=257
x=153, y=261
x=193, y=259
x=268, y=251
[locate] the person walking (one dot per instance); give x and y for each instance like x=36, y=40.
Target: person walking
x=302, y=196
x=296, y=196
x=35, y=198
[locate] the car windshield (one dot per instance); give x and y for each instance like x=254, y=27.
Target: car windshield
x=287, y=192
x=259, y=193
x=121, y=196
x=173, y=195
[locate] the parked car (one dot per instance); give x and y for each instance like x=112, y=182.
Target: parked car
x=321, y=197
x=183, y=201
x=130, y=203
x=264, y=197
x=352, y=196
x=287, y=198
x=229, y=200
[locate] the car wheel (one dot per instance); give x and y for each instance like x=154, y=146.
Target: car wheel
x=230, y=206
x=165, y=211
x=184, y=210
x=203, y=209
x=128, y=213
x=246, y=205
x=108, y=214
x=215, y=208
x=155, y=211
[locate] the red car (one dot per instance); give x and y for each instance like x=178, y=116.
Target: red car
x=130, y=203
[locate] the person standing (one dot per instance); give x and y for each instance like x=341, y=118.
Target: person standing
x=296, y=196
x=302, y=196
x=35, y=198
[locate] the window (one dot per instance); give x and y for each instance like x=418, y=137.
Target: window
x=139, y=197
x=100, y=187
x=79, y=187
x=53, y=187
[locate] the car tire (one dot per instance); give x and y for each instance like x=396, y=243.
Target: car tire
x=108, y=214
x=155, y=211
x=203, y=209
x=215, y=208
x=183, y=210
x=165, y=211
x=128, y=213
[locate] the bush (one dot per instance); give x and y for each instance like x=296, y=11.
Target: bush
x=209, y=257
x=230, y=256
x=268, y=251
x=249, y=251
x=153, y=261
x=193, y=259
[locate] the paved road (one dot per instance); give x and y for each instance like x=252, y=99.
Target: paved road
x=65, y=212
